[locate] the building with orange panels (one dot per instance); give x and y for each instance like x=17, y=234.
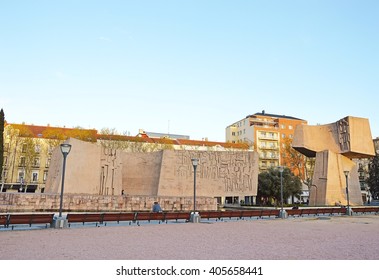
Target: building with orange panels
x=268, y=134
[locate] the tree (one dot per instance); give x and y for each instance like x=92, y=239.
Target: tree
x=373, y=176
x=2, y=123
x=269, y=186
x=293, y=159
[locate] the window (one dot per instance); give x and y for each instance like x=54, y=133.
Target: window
x=35, y=176
x=291, y=136
x=233, y=134
x=22, y=161
x=5, y=161
x=283, y=126
x=6, y=147
x=290, y=127
x=45, y=175
x=37, y=148
x=50, y=150
x=5, y=173
x=36, y=162
x=48, y=162
x=283, y=135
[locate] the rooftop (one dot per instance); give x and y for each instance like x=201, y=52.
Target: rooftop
x=263, y=113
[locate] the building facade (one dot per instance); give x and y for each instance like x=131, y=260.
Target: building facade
x=268, y=134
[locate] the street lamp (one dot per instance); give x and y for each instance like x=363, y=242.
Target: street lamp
x=283, y=213
x=65, y=149
x=348, y=212
x=195, y=217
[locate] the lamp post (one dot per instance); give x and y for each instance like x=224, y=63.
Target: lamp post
x=195, y=217
x=65, y=149
x=348, y=212
x=283, y=213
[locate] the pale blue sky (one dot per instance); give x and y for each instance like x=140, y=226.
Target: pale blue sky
x=190, y=67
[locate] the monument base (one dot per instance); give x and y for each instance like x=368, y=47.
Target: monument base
x=283, y=214
x=59, y=222
x=195, y=217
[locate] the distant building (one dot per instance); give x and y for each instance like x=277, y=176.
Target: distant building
x=266, y=133
x=143, y=133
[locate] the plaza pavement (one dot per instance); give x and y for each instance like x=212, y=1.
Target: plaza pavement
x=324, y=238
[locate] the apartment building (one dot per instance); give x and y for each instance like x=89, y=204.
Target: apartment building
x=268, y=134
x=27, y=154
x=28, y=150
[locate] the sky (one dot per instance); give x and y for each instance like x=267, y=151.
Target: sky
x=187, y=67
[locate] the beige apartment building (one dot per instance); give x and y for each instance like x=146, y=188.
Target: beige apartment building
x=265, y=133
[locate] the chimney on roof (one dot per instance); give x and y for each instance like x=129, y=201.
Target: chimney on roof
x=263, y=112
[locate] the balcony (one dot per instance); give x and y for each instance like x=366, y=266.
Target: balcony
x=268, y=137
x=275, y=148
x=264, y=156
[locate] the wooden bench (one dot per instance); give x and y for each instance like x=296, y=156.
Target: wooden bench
x=4, y=220
x=230, y=214
x=210, y=215
x=150, y=216
x=269, y=213
x=338, y=211
x=84, y=218
x=118, y=217
x=176, y=216
x=250, y=213
x=294, y=212
x=309, y=211
x=324, y=211
x=365, y=209
x=29, y=219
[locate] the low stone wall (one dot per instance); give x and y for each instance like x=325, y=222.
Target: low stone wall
x=24, y=202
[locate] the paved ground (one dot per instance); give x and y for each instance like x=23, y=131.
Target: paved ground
x=337, y=238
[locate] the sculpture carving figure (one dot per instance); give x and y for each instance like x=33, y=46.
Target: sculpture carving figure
x=334, y=146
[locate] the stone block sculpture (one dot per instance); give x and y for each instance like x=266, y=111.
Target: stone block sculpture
x=334, y=146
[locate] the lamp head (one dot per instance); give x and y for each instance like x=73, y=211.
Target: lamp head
x=281, y=169
x=346, y=173
x=195, y=162
x=65, y=149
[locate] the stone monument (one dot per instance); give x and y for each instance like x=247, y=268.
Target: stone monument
x=93, y=169
x=334, y=146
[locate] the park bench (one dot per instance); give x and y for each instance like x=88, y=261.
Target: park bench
x=176, y=216
x=324, y=211
x=364, y=210
x=29, y=219
x=118, y=217
x=269, y=213
x=149, y=216
x=338, y=211
x=294, y=212
x=230, y=214
x=309, y=211
x=210, y=215
x=96, y=218
x=250, y=213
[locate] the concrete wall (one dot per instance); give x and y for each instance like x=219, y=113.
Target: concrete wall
x=16, y=202
x=330, y=181
x=92, y=169
x=219, y=174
